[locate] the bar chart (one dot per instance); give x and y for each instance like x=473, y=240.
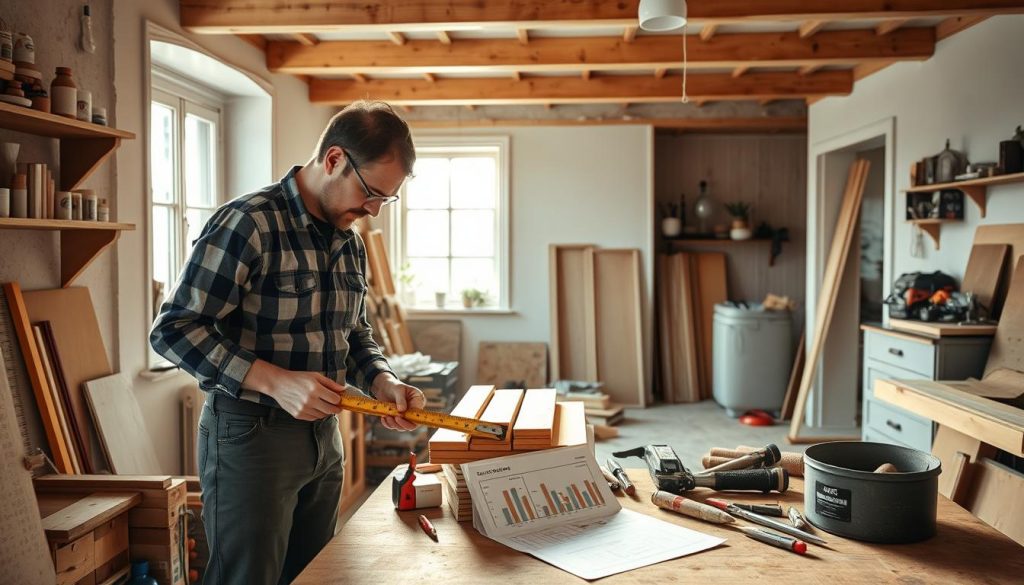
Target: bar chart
x=519, y=498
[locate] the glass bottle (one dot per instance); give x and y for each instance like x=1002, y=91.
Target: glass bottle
x=64, y=94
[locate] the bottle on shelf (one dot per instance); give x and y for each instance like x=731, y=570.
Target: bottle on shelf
x=64, y=94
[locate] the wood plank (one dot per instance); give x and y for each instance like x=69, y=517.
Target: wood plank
x=712, y=288
x=568, y=90
x=471, y=405
x=839, y=253
x=573, y=327
x=283, y=16
x=789, y=401
x=553, y=54
x=1007, y=348
x=990, y=421
x=87, y=514
x=97, y=482
x=665, y=323
x=938, y=330
x=122, y=427
x=536, y=415
x=83, y=355
x=958, y=454
x=984, y=273
x=619, y=325
x=512, y=364
x=81, y=439
x=502, y=409
x=572, y=424
x=55, y=396
x=767, y=124
x=1009, y=233
x=995, y=497
x=810, y=28
x=377, y=258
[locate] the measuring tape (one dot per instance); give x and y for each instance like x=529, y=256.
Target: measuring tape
x=470, y=426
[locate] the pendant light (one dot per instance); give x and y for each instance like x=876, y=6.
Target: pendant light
x=662, y=15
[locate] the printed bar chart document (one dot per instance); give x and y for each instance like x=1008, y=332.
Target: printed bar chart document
x=556, y=506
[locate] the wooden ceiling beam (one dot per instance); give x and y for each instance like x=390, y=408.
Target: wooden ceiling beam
x=953, y=25
x=359, y=77
x=739, y=71
x=444, y=37
x=887, y=26
x=257, y=41
x=810, y=28
x=660, y=72
x=629, y=34
x=808, y=69
x=306, y=39
x=703, y=124
x=566, y=90
x=397, y=38
x=523, y=35
x=600, y=53
x=430, y=77
x=708, y=31
x=287, y=16
x=585, y=74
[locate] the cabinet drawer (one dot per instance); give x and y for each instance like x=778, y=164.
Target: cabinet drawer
x=901, y=352
x=875, y=370
x=892, y=421
x=74, y=560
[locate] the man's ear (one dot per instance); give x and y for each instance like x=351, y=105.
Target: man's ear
x=334, y=160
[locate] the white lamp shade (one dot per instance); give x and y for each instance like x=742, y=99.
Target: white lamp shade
x=662, y=15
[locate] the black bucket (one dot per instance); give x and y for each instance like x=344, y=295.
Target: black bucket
x=843, y=495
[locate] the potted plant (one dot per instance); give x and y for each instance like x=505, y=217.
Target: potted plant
x=740, y=212
x=472, y=297
x=407, y=283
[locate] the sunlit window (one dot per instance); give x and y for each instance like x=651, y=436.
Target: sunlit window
x=452, y=232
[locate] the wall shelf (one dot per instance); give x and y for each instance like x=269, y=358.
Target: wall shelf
x=932, y=227
x=714, y=241
x=976, y=189
x=83, y=146
x=80, y=241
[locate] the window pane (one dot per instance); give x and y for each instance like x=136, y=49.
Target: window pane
x=428, y=189
x=472, y=233
x=426, y=233
x=474, y=182
x=163, y=246
x=161, y=152
x=475, y=273
x=431, y=276
x=196, y=219
x=200, y=161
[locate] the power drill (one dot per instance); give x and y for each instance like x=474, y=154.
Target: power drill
x=670, y=475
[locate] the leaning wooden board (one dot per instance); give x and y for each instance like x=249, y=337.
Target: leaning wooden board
x=525, y=363
x=1011, y=234
x=984, y=273
x=1008, y=344
x=573, y=349
x=618, y=325
x=122, y=429
x=711, y=288
x=83, y=355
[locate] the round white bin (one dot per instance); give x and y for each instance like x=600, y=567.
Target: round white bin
x=751, y=357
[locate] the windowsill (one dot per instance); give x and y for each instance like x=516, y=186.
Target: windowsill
x=427, y=312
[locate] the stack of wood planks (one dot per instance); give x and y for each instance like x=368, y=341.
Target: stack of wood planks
x=536, y=421
x=688, y=288
x=385, y=313
x=596, y=319
x=598, y=407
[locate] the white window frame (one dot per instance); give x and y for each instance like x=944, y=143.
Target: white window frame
x=464, y=145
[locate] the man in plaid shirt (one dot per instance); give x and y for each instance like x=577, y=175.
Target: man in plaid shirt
x=268, y=315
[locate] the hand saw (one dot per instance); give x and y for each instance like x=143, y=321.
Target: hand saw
x=470, y=426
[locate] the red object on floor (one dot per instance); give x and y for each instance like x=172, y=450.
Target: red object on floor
x=757, y=418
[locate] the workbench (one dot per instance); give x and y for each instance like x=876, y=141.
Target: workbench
x=381, y=545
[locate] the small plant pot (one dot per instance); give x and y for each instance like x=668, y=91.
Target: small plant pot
x=671, y=227
x=739, y=224
x=440, y=298
x=467, y=302
x=742, y=233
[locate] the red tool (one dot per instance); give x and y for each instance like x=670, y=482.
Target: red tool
x=757, y=418
x=403, y=493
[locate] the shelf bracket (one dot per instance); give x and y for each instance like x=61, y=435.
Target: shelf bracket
x=78, y=248
x=79, y=157
x=933, y=230
x=976, y=193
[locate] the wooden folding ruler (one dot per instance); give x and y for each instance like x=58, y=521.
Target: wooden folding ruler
x=470, y=426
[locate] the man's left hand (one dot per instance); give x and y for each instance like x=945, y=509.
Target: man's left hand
x=387, y=388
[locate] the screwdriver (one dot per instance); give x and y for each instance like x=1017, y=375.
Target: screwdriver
x=764, y=521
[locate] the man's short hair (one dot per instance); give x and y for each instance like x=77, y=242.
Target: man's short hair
x=369, y=131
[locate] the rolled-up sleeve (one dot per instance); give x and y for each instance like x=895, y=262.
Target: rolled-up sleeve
x=211, y=286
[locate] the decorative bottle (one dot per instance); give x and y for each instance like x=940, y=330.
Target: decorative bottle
x=64, y=94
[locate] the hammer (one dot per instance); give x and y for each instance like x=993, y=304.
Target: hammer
x=767, y=456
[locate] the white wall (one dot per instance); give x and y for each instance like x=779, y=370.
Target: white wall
x=296, y=126
x=971, y=92
x=568, y=185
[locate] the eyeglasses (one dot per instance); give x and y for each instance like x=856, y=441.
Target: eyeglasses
x=370, y=197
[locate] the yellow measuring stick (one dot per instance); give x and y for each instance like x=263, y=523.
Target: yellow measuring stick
x=470, y=426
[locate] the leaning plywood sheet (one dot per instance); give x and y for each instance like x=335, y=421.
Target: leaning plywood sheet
x=122, y=428
x=711, y=288
x=1007, y=345
x=995, y=497
x=665, y=324
x=23, y=552
x=573, y=350
x=441, y=339
x=83, y=355
x=619, y=323
x=687, y=339
x=984, y=273
x=1011, y=234
x=472, y=405
x=512, y=365
x=502, y=409
x=536, y=416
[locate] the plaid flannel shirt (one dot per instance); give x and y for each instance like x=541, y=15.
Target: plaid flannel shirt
x=263, y=282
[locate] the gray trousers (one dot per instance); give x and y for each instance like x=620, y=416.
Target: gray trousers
x=271, y=490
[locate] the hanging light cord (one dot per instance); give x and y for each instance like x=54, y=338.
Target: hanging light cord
x=686, y=99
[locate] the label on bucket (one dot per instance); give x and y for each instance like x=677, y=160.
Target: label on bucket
x=832, y=502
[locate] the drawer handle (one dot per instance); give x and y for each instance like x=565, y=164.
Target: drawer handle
x=894, y=425
x=896, y=352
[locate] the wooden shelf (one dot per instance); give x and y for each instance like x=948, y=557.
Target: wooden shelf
x=80, y=241
x=713, y=241
x=976, y=189
x=83, y=146
x=932, y=227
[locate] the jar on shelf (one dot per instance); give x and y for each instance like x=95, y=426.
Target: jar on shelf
x=64, y=94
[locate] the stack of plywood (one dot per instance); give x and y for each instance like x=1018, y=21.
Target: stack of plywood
x=456, y=493
x=599, y=408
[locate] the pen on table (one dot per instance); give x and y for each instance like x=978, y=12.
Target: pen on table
x=764, y=521
x=428, y=527
x=612, y=482
x=670, y=501
x=780, y=540
x=620, y=474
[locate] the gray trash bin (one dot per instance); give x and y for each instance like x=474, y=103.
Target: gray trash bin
x=752, y=355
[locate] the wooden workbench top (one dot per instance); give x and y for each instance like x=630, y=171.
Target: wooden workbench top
x=380, y=545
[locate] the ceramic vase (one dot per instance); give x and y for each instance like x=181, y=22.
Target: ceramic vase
x=671, y=227
x=8, y=162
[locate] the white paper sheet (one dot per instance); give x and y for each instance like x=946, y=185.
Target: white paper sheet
x=556, y=506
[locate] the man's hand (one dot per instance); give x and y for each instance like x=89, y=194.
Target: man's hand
x=387, y=388
x=304, y=395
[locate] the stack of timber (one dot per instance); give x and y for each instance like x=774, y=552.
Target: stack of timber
x=456, y=493
x=598, y=407
x=385, y=314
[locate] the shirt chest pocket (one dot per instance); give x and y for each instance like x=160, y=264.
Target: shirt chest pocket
x=296, y=283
